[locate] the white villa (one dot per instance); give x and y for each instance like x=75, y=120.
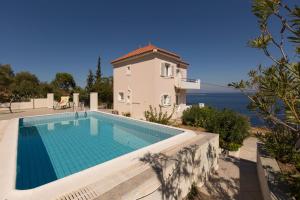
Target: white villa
x=151, y=76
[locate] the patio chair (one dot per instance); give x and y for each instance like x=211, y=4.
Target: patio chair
x=64, y=103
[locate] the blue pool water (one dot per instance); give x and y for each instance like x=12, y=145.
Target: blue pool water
x=54, y=146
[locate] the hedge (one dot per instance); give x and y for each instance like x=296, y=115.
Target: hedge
x=231, y=126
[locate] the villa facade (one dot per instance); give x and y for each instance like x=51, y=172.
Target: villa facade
x=151, y=76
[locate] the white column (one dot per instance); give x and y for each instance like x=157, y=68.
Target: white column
x=50, y=100
x=76, y=100
x=93, y=101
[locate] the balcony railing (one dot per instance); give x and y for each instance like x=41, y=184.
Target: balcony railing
x=187, y=83
x=190, y=80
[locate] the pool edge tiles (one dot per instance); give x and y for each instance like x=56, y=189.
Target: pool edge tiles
x=96, y=174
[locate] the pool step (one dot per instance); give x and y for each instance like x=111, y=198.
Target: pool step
x=85, y=193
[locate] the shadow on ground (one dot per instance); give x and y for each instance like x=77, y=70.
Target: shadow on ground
x=235, y=179
x=7, y=112
x=224, y=183
x=249, y=183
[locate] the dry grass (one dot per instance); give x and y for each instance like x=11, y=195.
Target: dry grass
x=192, y=128
x=258, y=130
x=288, y=168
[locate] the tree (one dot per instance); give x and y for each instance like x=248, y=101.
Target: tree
x=64, y=81
x=106, y=90
x=26, y=85
x=100, y=84
x=44, y=89
x=6, y=80
x=21, y=86
x=90, y=81
x=275, y=90
x=98, y=74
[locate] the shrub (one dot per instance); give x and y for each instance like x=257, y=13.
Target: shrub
x=158, y=117
x=281, y=144
x=126, y=114
x=232, y=127
x=199, y=117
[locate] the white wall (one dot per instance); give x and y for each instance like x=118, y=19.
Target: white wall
x=139, y=82
x=146, y=84
x=31, y=104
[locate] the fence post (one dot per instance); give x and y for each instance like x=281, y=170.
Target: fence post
x=76, y=100
x=93, y=101
x=50, y=100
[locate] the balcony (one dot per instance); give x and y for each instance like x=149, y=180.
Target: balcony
x=185, y=83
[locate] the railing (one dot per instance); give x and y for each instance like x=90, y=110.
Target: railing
x=190, y=80
x=187, y=83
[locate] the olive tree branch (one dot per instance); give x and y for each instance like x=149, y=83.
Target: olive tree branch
x=269, y=115
x=284, y=22
x=270, y=56
x=285, y=6
x=278, y=45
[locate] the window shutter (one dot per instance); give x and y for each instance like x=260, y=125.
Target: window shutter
x=168, y=100
x=172, y=70
x=162, y=100
x=162, y=69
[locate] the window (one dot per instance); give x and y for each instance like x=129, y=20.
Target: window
x=167, y=70
x=128, y=70
x=121, y=96
x=177, y=99
x=128, y=98
x=165, y=100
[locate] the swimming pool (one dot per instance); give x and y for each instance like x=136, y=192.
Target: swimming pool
x=54, y=146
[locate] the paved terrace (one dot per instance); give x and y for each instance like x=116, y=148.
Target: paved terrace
x=5, y=115
x=236, y=177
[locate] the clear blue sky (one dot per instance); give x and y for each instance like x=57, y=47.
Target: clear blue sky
x=49, y=36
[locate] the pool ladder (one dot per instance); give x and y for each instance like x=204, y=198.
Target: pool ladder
x=77, y=115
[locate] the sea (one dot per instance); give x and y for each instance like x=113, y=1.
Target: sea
x=235, y=101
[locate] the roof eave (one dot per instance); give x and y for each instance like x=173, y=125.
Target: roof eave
x=150, y=52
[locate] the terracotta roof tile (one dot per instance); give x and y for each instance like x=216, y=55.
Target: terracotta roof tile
x=145, y=49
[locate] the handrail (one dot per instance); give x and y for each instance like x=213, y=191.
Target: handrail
x=190, y=80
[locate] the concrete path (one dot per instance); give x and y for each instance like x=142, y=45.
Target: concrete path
x=3, y=124
x=236, y=177
x=249, y=184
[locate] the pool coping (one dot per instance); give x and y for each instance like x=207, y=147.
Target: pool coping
x=8, y=154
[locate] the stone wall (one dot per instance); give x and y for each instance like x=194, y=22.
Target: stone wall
x=268, y=173
x=172, y=172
